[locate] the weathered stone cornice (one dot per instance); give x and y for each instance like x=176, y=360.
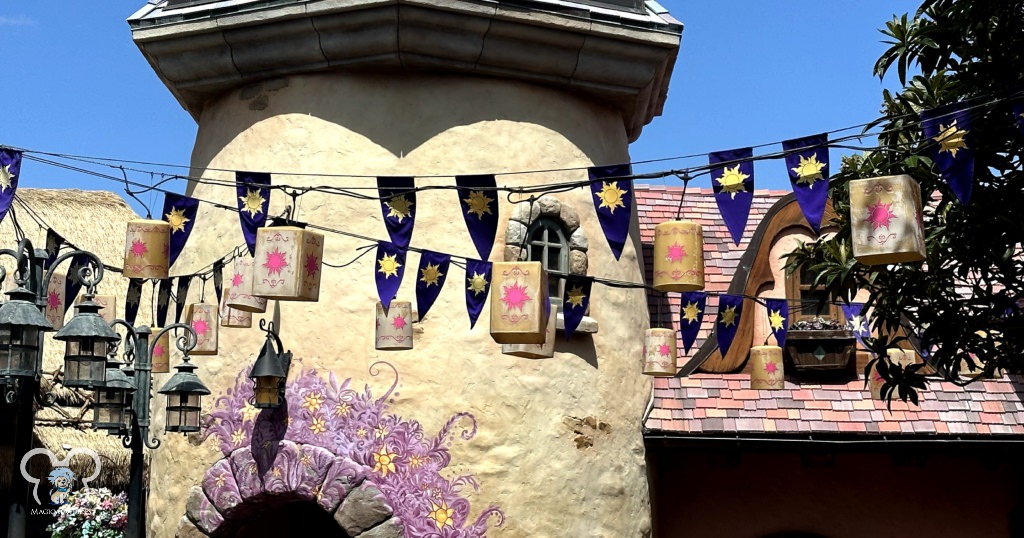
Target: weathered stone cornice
x=621, y=59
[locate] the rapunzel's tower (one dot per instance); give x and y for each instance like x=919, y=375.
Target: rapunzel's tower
x=336, y=92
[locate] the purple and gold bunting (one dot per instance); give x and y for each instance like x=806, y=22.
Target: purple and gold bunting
x=53, y=243
x=478, y=286
x=73, y=284
x=778, y=319
x=389, y=268
x=1018, y=115
x=10, y=172
x=479, y=202
x=948, y=129
x=857, y=320
x=807, y=164
x=575, y=301
x=180, y=211
x=181, y=296
x=218, y=278
x=691, y=314
x=733, y=183
x=132, y=300
x=163, y=301
x=613, y=201
x=253, y=190
x=398, y=204
x=730, y=309
x=430, y=279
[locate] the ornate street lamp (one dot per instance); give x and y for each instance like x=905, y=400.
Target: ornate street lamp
x=21, y=324
x=87, y=339
x=184, y=392
x=270, y=371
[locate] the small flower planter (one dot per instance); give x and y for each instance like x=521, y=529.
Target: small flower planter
x=820, y=346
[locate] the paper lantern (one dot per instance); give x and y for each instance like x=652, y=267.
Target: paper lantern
x=766, y=371
x=203, y=319
x=146, y=249
x=233, y=317
x=875, y=383
x=519, y=302
x=536, y=351
x=239, y=292
x=885, y=215
x=394, y=327
x=288, y=263
x=56, y=301
x=108, y=306
x=660, y=352
x=161, y=358
x=678, y=256
x=902, y=357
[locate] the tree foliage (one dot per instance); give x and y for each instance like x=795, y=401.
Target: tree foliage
x=962, y=305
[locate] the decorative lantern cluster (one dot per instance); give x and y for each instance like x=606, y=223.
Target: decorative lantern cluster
x=886, y=220
x=766, y=368
x=270, y=370
x=678, y=256
x=519, y=303
x=146, y=249
x=394, y=326
x=288, y=264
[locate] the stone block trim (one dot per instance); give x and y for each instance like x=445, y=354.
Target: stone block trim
x=363, y=509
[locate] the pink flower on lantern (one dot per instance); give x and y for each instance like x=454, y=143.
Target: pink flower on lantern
x=398, y=323
x=663, y=350
x=312, y=265
x=201, y=327
x=675, y=253
x=53, y=300
x=275, y=262
x=158, y=350
x=237, y=280
x=514, y=296
x=771, y=368
x=139, y=248
x=880, y=215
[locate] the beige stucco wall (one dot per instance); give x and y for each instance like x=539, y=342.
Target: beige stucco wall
x=525, y=456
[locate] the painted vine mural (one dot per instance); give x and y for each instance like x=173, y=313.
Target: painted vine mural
x=368, y=441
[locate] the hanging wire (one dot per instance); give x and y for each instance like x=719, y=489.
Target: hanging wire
x=128, y=191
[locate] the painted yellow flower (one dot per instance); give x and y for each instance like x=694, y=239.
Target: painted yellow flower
x=478, y=203
x=441, y=515
x=951, y=138
x=416, y=461
x=732, y=180
x=389, y=265
x=219, y=480
x=611, y=196
x=249, y=412
x=431, y=274
x=342, y=409
x=237, y=437
x=381, y=431
x=399, y=207
x=305, y=460
x=276, y=472
x=809, y=170
x=177, y=219
x=384, y=461
x=313, y=401
x=318, y=426
x=361, y=433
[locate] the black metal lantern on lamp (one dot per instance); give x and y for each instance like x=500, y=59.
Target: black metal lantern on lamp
x=21, y=323
x=112, y=408
x=87, y=337
x=270, y=371
x=184, y=392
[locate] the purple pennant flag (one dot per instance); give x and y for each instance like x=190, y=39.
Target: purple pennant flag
x=807, y=164
x=398, y=204
x=253, y=189
x=181, y=296
x=730, y=309
x=478, y=285
x=432, y=274
x=778, y=319
x=132, y=300
x=1018, y=115
x=10, y=173
x=180, y=211
x=857, y=320
x=53, y=243
x=163, y=301
x=479, y=202
x=218, y=278
x=733, y=184
x=575, y=301
x=390, y=267
x=72, y=285
x=691, y=314
x=948, y=130
x=613, y=201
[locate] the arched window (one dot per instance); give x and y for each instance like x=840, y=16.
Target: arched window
x=546, y=242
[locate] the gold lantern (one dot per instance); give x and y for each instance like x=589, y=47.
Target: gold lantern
x=56, y=300
x=203, y=319
x=288, y=264
x=108, y=306
x=660, y=352
x=519, y=302
x=678, y=256
x=146, y=249
x=161, y=358
x=394, y=326
x=766, y=370
x=239, y=291
x=233, y=317
x=536, y=351
x=885, y=215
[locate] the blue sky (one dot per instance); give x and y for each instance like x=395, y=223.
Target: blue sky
x=749, y=72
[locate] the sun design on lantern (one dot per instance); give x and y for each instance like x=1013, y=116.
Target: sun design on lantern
x=384, y=461
x=576, y=296
x=6, y=176
x=276, y=262
x=159, y=351
x=441, y=515
x=771, y=367
x=514, y=296
x=389, y=265
x=809, y=170
x=611, y=196
x=252, y=202
x=675, y=253
x=177, y=219
x=690, y=312
x=139, y=248
x=728, y=316
x=398, y=323
x=951, y=139
x=776, y=320
x=477, y=283
x=732, y=181
x=399, y=207
x=664, y=350
x=237, y=280
x=431, y=275
x=478, y=204
x=53, y=300
x=201, y=327
x=312, y=265
x=880, y=215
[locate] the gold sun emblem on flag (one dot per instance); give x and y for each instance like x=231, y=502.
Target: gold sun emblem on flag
x=399, y=207
x=431, y=274
x=776, y=320
x=478, y=204
x=728, y=316
x=576, y=296
x=951, y=138
x=690, y=312
x=252, y=202
x=611, y=196
x=389, y=265
x=177, y=219
x=732, y=180
x=477, y=283
x=809, y=170
x=5, y=177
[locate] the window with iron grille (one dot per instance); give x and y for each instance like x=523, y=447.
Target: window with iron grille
x=546, y=242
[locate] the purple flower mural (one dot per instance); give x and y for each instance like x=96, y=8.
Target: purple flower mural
x=329, y=437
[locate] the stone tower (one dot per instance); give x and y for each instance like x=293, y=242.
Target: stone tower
x=332, y=93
